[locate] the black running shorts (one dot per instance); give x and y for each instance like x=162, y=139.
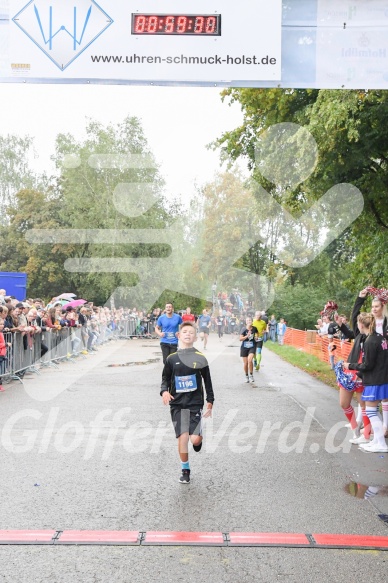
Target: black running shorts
x=245, y=351
x=186, y=421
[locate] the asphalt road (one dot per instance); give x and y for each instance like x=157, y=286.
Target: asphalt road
x=90, y=446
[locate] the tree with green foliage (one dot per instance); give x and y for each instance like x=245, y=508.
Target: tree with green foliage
x=230, y=228
x=351, y=135
x=42, y=263
x=92, y=172
x=15, y=173
x=108, y=182
x=299, y=305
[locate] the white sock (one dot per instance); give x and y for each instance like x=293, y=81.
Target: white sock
x=384, y=406
x=377, y=426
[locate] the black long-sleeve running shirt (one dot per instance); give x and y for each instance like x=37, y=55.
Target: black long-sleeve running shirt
x=185, y=375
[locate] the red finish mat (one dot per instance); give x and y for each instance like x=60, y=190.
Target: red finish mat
x=206, y=539
x=183, y=538
x=267, y=538
x=106, y=537
x=27, y=537
x=351, y=540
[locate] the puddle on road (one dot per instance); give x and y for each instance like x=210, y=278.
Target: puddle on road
x=365, y=492
x=137, y=363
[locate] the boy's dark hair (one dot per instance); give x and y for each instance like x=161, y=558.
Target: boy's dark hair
x=185, y=324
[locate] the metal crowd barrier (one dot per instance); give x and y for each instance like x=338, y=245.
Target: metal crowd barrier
x=59, y=345
x=25, y=351
x=135, y=328
x=22, y=354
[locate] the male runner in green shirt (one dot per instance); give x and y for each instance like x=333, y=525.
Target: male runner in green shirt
x=261, y=327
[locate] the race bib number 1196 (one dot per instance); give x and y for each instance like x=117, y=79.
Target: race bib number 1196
x=186, y=384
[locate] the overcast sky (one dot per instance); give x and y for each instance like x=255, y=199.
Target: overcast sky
x=178, y=122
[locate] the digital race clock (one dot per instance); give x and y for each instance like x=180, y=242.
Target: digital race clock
x=180, y=24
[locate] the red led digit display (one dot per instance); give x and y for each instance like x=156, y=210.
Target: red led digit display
x=179, y=24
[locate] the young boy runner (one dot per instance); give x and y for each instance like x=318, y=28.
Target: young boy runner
x=184, y=374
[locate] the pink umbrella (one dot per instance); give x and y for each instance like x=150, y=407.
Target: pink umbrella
x=74, y=304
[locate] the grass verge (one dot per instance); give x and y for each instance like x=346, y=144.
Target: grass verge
x=307, y=362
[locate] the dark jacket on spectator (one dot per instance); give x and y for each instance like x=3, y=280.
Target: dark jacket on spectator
x=9, y=323
x=374, y=366
x=355, y=334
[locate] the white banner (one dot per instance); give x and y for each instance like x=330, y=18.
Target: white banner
x=253, y=43
x=145, y=40
x=352, y=58
x=352, y=13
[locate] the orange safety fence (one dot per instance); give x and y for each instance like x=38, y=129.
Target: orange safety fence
x=309, y=341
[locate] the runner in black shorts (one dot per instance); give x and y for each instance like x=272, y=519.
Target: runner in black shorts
x=248, y=348
x=184, y=374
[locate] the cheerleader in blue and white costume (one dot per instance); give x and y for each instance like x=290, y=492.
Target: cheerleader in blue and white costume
x=374, y=373
x=380, y=312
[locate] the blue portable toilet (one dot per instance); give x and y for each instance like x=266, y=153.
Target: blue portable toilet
x=14, y=283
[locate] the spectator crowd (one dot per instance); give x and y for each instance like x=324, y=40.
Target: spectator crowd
x=33, y=332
